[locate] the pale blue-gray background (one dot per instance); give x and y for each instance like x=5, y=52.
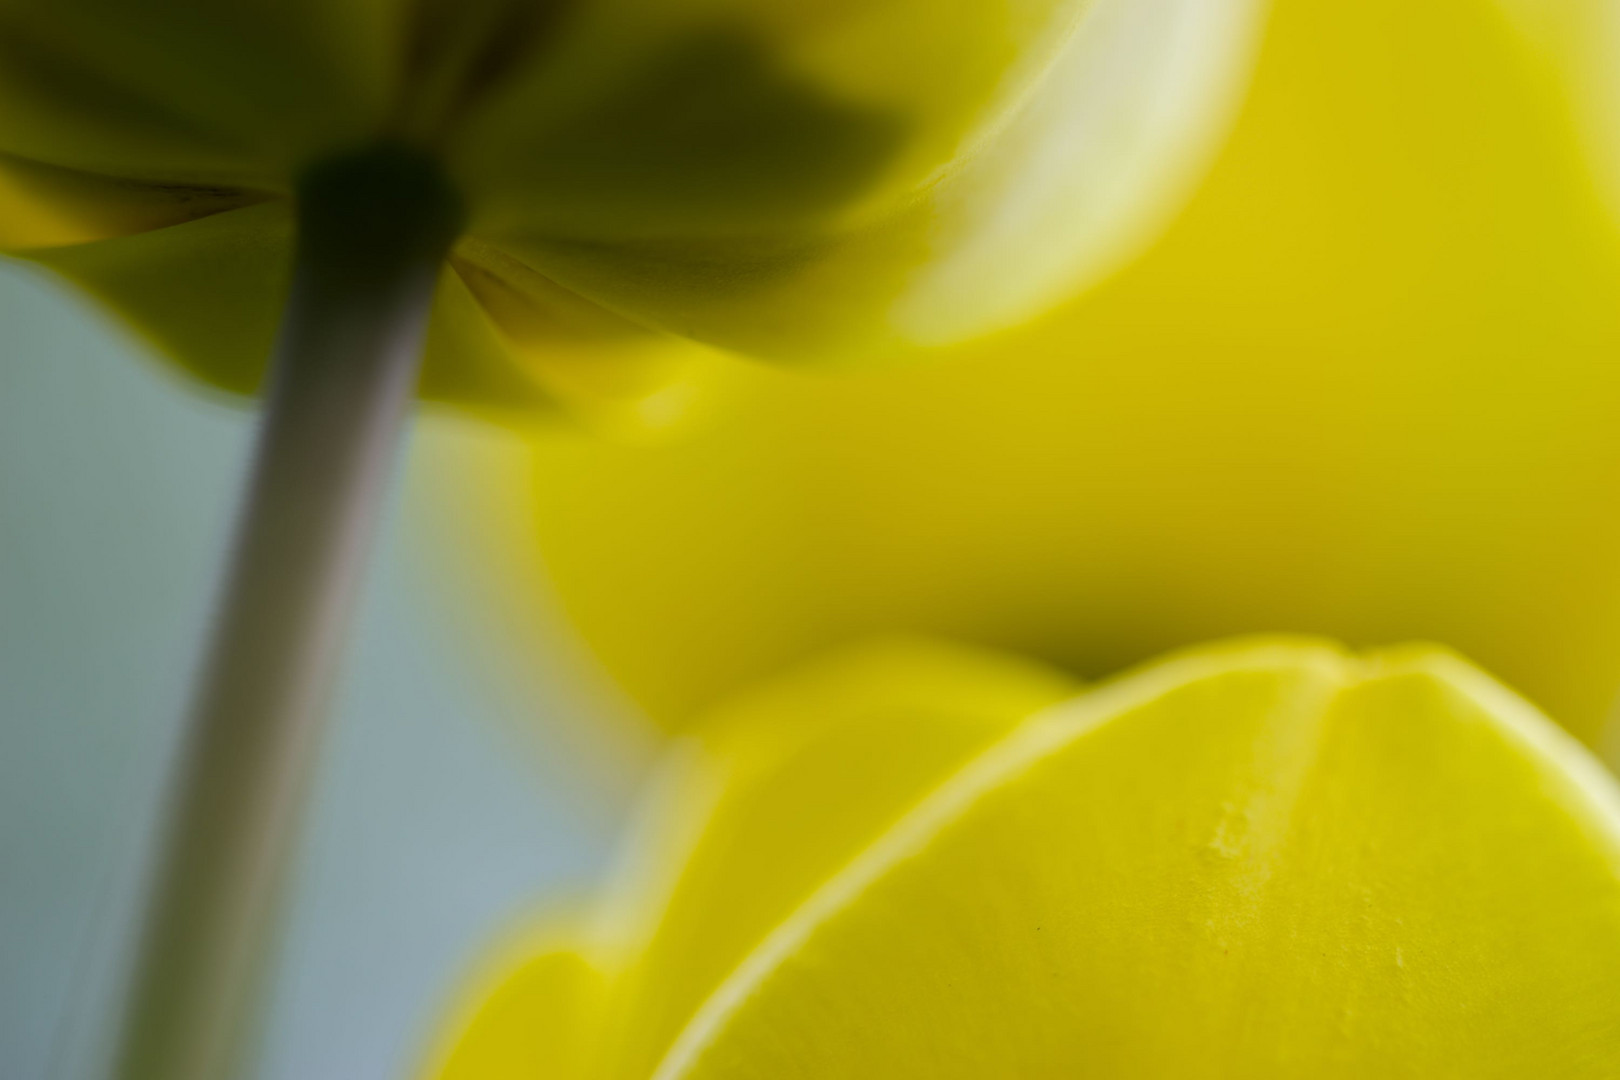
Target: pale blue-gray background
x=449, y=803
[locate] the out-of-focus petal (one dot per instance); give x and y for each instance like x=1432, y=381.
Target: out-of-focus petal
x=542, y=1021
x=1365, y=386
x=195, y=91
x=1580, y=42
x=792, y=180
x=836, y=180
x=208, y=292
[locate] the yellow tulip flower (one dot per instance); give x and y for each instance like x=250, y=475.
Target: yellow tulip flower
x=1264, y=859
x=1364, y=386
x=555, y=201
x=784, y=178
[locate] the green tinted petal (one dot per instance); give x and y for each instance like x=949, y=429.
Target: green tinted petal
x=788, y=179
x=1364, y=386
x=782, y=788
x=48, y=206
x=208, y=293
x=195, y=91
x=467, y=362
x=607, y=370
x=540, y=1022
x=1264, y=859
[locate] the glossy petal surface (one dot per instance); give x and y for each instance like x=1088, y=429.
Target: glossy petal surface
x=1257, y=861
x=1261, y=858
x=780, y=789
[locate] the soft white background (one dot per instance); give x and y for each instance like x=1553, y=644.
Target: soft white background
x=452, y=801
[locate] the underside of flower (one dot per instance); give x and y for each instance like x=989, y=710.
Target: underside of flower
x=644, y=179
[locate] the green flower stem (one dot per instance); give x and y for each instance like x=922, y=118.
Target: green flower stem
x=373, y=230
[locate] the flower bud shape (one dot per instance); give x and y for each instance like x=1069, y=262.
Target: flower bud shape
x=1267, y=858
x=1365, y=386
x=789, y=179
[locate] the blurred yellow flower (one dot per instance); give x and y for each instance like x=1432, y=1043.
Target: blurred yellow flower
x=1263, y=858
x=1579, y=40
x=784, y=178
x=1365, y=386
x=550, y=203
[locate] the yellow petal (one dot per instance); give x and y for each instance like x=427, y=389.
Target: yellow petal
x=208, y=294
x=1268, y=859
x=616, y=374
x=541, y=1022
x=44, y=206
x=1365, y=386
x=782, y=788
x=1261, y=858
x=787, y=179
x=794, y=179
x=195, y=91
x=1580, y=41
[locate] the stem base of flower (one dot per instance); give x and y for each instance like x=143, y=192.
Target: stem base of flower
x=373, y=230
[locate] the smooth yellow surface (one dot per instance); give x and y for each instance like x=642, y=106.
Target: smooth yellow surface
x=782, y=787
x=542, y=1020
x=1366, y=386
x=1260, y=858
x=773, y=793
x=794, y=179
x=1580, y=41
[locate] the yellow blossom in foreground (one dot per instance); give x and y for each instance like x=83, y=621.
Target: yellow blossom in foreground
x=791, y=179
x=1365, y=386
x=1262, y=858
